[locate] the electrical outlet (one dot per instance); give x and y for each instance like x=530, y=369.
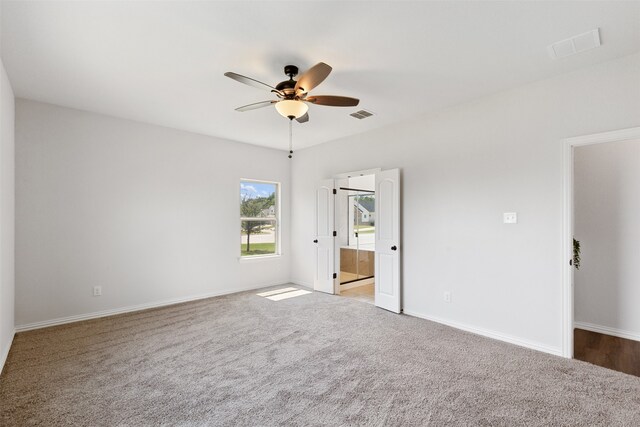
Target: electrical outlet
x=447, y=296
x=510, y=217
x=97, y=291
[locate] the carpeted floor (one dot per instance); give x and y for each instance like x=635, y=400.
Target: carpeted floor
x=310, y=360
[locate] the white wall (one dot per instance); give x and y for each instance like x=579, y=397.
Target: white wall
x=461, y=169
x=150, y=214
x=7, y=209
x=607, y=223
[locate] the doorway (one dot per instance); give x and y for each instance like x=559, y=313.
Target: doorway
x=357, y=223
x=601, y=280
x=355, y=218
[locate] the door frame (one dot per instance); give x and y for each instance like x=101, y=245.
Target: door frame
x=568, y=145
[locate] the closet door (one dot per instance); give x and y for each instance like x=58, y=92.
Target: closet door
x=387, y=240
x=324, y=237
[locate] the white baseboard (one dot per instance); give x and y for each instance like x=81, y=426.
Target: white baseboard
x=490, y=334
x=138, y=307
x=302, y=283
x=607, y=330
x=5, y=352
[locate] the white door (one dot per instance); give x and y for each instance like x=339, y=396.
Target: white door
x=387, y=255
x=324, y=239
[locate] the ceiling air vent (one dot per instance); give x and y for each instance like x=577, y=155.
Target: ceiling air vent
x=362, y=114
x=576, y=44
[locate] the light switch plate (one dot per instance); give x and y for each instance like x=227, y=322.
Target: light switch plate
x=510, y=218
x=447, y=296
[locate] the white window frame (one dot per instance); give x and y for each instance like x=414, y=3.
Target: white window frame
x=276, y=219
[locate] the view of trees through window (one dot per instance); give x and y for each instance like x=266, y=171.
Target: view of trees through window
x=259, y=218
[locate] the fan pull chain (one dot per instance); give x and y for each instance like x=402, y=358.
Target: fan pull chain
x=290, y=138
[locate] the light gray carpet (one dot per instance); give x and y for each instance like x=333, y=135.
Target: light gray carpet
x=311, y=360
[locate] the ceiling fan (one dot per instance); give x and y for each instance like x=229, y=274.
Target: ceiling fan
x=293, y=96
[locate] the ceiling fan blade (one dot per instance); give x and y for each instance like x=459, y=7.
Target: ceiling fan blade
x=303, y=119
x=333, y=101
x=313, y=77
x=255, y=105
x=249, y=81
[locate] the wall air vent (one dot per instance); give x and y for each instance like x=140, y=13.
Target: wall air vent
x=362, y=114
x=576, y=44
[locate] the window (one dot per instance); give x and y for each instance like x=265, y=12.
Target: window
x=259, y=218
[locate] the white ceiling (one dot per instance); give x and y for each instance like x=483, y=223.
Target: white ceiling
x=163, y=62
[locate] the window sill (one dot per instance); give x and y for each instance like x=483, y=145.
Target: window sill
x=258, y=258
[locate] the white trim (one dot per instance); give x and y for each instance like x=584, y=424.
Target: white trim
x=253, y=258
x=606, y=330
x=597, y=138
x=490, y=334
x=260, y=181
x=138, y=307
x=567, y=251
x=5, y=352
x=302, y=283
x=358, y=173
x=567, y=222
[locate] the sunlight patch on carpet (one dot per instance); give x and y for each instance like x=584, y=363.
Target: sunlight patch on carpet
x=288, y=295
x=276, y=291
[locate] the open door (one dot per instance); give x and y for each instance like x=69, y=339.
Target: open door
x=324, y=240
x=387, y=240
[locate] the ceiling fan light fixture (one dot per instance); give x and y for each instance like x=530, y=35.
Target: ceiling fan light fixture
x=291, y=109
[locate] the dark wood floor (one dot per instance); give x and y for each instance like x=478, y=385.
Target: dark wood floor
x=610, y=352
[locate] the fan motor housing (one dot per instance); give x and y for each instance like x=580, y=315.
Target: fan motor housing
x=287, y=87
